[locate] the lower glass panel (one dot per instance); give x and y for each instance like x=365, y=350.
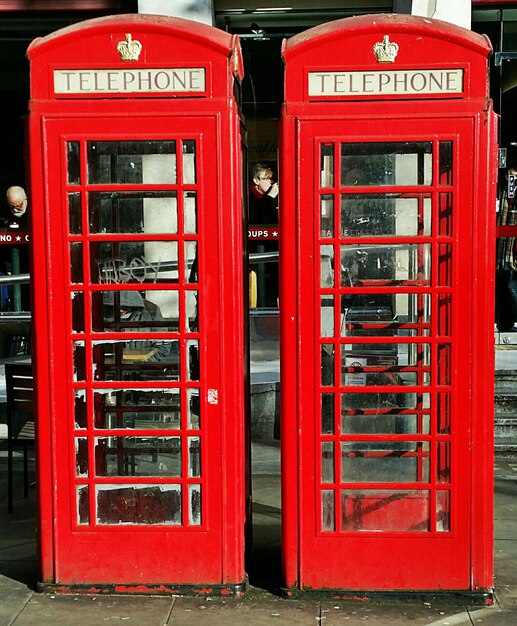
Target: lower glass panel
x=385, y=423
x=385, y=510
x=384, y=401
x=327, y=510
x=138, y=456
x=139, y=504
x=83, y=508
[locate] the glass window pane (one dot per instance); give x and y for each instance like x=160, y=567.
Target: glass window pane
x=194, y=409
x=82, y=503
x=139, y=504
x=327, y=462
x=138, y=456
x=190, y=212
x=79, y=361
x=327, y=413
x=194, y=505
x=445, y=214
x=81, y=457
x=385, y=423
x=327, y=266
x=385, y=510
x=327, y=511
x=122, y=262
x=191, y=310
x=384, y=401
x=77, y=312
x=189, y=162
x=76, y=262
x=327, y=316
x=194, y=457
x=135, y=311
x=402, y=164
x=327, y=216
x=443, y=462
x=391, y=263
x=443, y=511
x=191, y=269
x=133, y=212
x=80, y=418
x=73, y=163
x=74, y=213
x=389, y=215
x=142, y=359
x=444, y=265
x=138, y=409
x=193, y=360
x=327, y=364
x=445, y=166
x=327, y=165
x=131, y=162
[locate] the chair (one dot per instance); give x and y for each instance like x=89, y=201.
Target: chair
x=20, y=422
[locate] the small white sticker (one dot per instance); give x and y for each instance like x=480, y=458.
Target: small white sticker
x=213, y=396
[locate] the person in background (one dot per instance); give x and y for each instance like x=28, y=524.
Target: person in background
x=263, y=196
x=17, y=204
x=506, y=262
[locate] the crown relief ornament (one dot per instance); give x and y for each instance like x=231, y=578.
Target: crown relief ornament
x=386, y=50
x=129, y=49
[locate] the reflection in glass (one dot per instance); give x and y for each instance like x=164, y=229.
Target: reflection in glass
x=376, y=355
x=194, y=415
x=443, y=511
x=80, y=419
x=327, y=462
x=138, y=456
x=385, y=510
x=444, y=265
x=385, y=424
x=327, y=316
x=444, y=362
x=191, y=273
x=190, y=212
x=445, y=165
x=327, y=413
x=194, y=516
x=76, y=262
x=327, y=510
x=193, y=359
x=194, y=457
x=79, y=361
x=82, y=503
x=387, y=262
x=77, y=312
x=81, y=457
x=384, y=401
x=191, y=310
x=135, y=311
x=327, y=215
x=133, y=212
x=387, y=215
x=132, y=162
x=445, y=214
x=189, y=162
x=327, y=364
x=125, y=262
x=327, y=165
x=139, y=504
x=138, y=409
x=73, y=163
x=443, y=413
x=327, y=266
x=402, y=163
x=74, y=213
x=443, y=462
x=385, y=462
x=141, y=359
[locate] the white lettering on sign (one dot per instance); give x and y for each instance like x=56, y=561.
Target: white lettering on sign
x=386, y=82
x=148, y=80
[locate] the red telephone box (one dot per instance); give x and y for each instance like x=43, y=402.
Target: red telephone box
x=137, y=226
x=388, y=164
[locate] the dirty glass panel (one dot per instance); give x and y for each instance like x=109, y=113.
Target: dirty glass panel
x=443, y=462
x=190, y=212
x=392, y=263
x=444, y=315
x=135, y=311
x=194, y=409
x=444, y=363
x=191, y=311
x=385, y=510
x=77, y=311
x=327, y=215
x=327, y=413
x=445, y=214
x=385, y=424
x=140, y=359
x=327, y=364
x=384, y=401
x=73, y=163
x=327, y=266
x=194, y=515
x=445, y=162
x=191, y=273
x=385, y=314
x=131, y=162
x=327, y=462
x=138, y=504
x=79, y=359
x=385, y=462
x=121, y=262
x=327, y=165
x=392, y=163
x=327, y=316
x=389, y=215
x=80, y=419
x=327, y=510
x=81, y=457
x=194, y=457
x=193, y=359
x=82, y=504
x=444, y=265
x=443, y=511
x=76, y=262
x=443, y=413
x=74, y=213
x=138, y=456
x=189, y=162
x=138, y=408
x=133, y=212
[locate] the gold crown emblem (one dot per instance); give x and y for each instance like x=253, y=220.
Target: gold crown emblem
x=386, y=50
x=129, y=49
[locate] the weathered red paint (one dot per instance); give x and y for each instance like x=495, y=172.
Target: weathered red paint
x=175, y=517
x=350, y=521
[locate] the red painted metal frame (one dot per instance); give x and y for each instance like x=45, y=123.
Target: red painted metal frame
x=215, y=120
x=348, y=44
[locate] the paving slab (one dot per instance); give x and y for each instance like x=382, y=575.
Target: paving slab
x=67, y=610
x=14, y=596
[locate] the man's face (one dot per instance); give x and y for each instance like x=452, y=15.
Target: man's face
x=17, y=206
x=263, y=181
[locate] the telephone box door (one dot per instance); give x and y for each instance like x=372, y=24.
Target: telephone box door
x=136, y=342
x=383, y=444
